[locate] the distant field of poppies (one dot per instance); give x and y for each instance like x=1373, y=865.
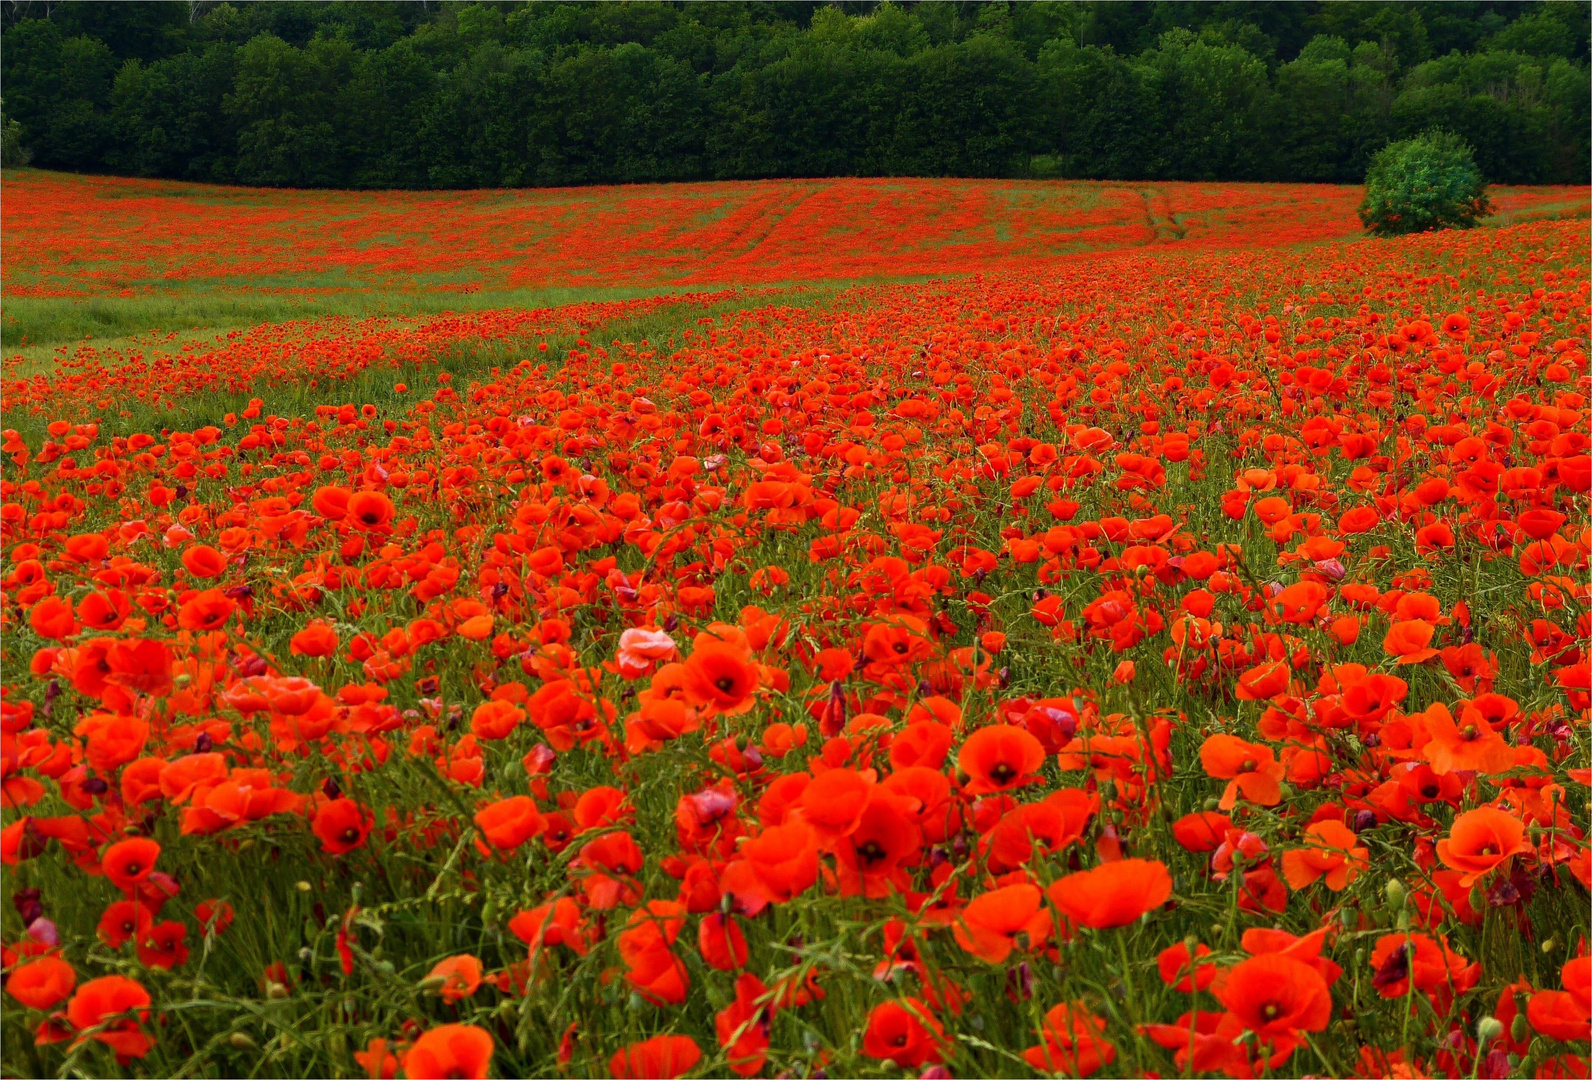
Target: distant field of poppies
x=849, y=628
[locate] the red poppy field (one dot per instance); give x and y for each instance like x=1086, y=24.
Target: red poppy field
x=1140, y=654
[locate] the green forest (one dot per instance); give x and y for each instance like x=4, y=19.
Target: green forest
x=445, y=95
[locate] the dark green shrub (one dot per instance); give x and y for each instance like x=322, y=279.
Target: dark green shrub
x=1428, y=182
x=12, y=152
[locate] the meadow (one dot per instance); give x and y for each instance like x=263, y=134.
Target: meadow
x=793, y=628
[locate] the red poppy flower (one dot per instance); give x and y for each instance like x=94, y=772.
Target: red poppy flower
x=992, y=924
x=999, y=758
x=127, y=862
x=662, y=1057
x=904, y=1032
x=369, y=510
x=42, y=983
x=783, y=859
x=1480, y=840
x=1251, y=770
x=1183, y=971
x=510, y=822
x=1277, y=997
x=460, y=975
x=1072, y=1042
x=720, y=677
x=1114, y=893
x=163, y=947
x=1331, y=851
x=743, y=1026
x=450, y=1050
x=204, y=561
x=106, y=1002
x=342, y=825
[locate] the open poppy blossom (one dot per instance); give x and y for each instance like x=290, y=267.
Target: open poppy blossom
x=342, y=826
x=450, y=1050
x=1114, y=893
x=1277, y=997
x=1481, y=840
x=904, y=1032
x=999, y=758
x=662, y=1057
x=994, y=923
x=127, y=862
x=42, y=983
x=1251, y=769
x=118, y=1007
x=719, y=674
x=1073, y=1043
x=460, y=976
x=1331, y=852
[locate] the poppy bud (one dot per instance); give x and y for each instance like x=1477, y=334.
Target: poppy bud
x=1488, y=1028
x=27, y=903
x=1518, y=1028
x=1395, y=894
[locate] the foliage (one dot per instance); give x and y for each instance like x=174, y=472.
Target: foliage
x=1428, y=182
x=380, y=95
x=12, y=152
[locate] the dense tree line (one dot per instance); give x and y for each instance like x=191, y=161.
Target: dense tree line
x=424, y=94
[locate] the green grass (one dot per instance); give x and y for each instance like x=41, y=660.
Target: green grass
x=465, y=361
x=33, y=326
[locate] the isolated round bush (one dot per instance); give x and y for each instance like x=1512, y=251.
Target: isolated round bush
x=1428, y=182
